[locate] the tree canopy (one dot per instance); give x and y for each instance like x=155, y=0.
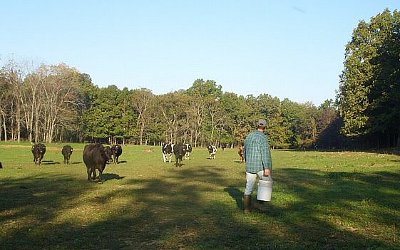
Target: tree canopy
x=369, y=91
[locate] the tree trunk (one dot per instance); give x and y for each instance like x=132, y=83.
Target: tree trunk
x=18, y=120
x=142, y=125
x=4, y=126
x=36, y=127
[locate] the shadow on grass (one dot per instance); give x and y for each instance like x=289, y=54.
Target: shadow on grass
x=197, y=208
x=238, y=161
x=237, y=195
x=50, y=162
x=111, y=176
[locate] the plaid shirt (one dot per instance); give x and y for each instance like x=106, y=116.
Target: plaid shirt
x=257, y=152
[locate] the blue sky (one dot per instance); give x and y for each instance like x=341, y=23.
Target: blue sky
x=289, y=49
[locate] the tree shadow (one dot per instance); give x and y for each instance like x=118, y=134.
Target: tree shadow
x=197, y=208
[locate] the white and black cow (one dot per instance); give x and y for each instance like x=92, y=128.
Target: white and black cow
x=212, y=150
x=116, y=152
x=167, y=150
x=188, y=149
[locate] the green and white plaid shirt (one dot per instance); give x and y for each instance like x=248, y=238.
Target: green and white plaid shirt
x=257, y=152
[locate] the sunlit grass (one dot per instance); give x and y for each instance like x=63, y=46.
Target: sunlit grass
x=320, y=200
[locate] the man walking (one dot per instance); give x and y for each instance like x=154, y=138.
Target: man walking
x=257, y=155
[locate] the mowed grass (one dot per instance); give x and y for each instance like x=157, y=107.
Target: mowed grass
x=321, y=200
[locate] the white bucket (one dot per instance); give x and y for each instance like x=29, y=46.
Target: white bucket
x=264, y=191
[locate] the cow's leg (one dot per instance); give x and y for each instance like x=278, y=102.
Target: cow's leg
x=89, y=173
x=93, y=173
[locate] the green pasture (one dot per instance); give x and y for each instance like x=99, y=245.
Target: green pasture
x=321, y=200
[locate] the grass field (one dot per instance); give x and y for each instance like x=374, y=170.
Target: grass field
x=321, y=200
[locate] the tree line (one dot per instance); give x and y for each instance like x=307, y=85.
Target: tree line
x=58, y=103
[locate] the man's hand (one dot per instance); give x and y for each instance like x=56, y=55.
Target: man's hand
x=267, y=172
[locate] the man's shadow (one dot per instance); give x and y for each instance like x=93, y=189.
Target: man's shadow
x=236, y=194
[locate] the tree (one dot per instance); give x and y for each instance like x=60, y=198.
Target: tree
x=59, y=94
x=12, y=80
x=5, y=97
x=203, y=95
x=328, y=126
x=271, y=109
x=142, y=100
x=103, y=119
x=368, y=93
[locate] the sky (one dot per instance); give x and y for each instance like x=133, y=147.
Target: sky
x=287, y=49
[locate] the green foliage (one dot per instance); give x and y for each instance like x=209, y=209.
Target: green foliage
x=200, y=115
x=110, y=114
x=368, y=96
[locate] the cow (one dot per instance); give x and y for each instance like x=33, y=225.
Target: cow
x=94, y=157
x=108, y=152
x=241, y=153
x=1, y=166
x=67, y=152
x=179, y=151
x=188, y=149
x=38, y=151
x=116, y=151
x=167, y=150
x=212, y=150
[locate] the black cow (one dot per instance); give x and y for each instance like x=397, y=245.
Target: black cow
x=167, y=150
x=179, y=151
x=67, y=152
x=116, y=151
x=212, y=150
x=94, y=157
x=38, y=151
x=108, y=152
x=1, y=166
x=188, y=149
